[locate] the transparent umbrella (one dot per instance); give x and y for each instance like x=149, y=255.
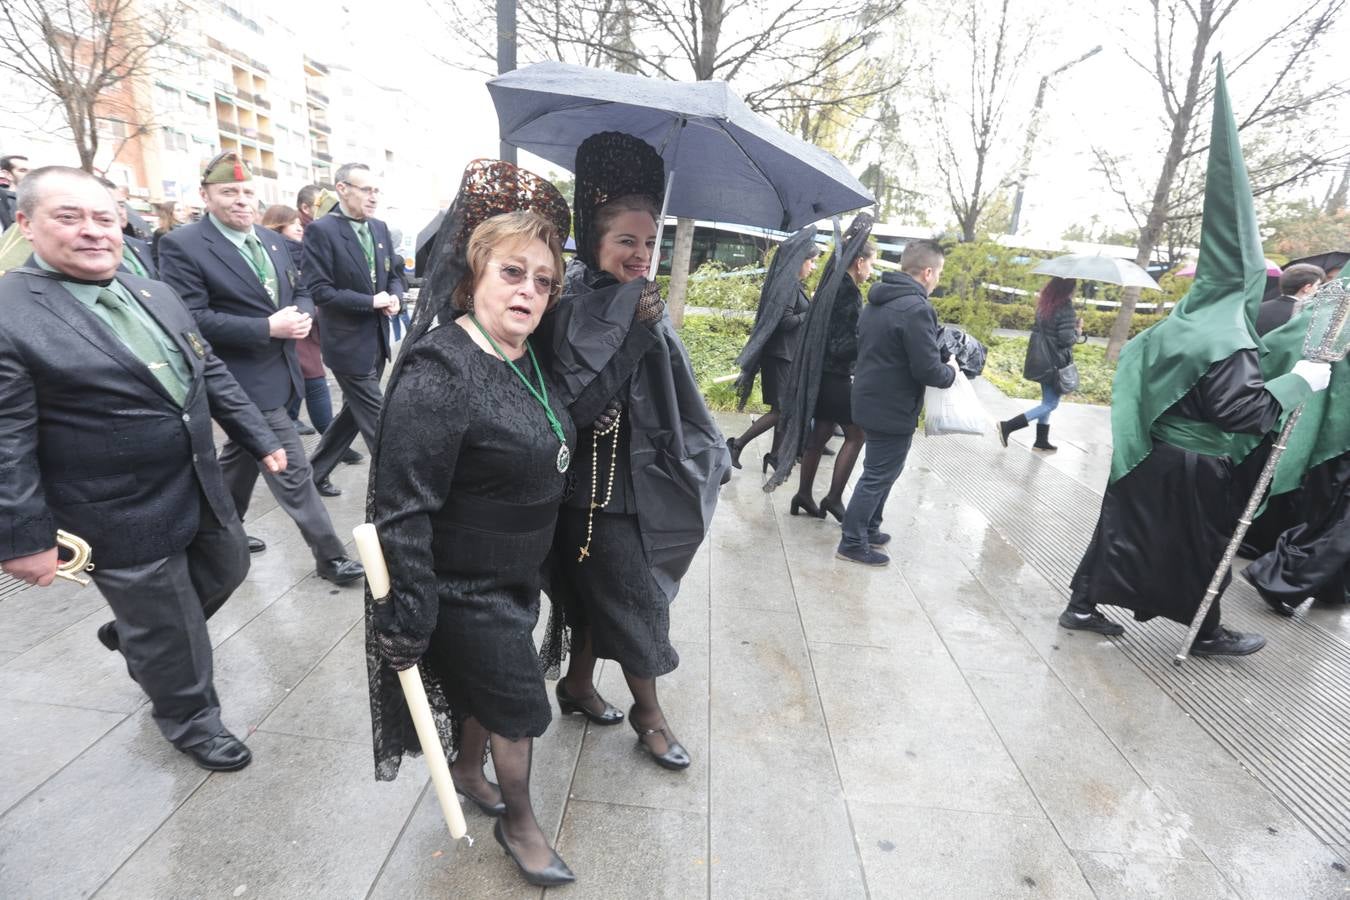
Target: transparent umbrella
x=1098, y=268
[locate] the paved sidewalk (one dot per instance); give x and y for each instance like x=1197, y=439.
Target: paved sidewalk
x=924, y=730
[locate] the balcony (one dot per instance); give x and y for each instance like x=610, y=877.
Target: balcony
x=260, y=100
x=324, y=157
x=320, y=127
x=227, y=127
x=265, y=138
x=316, y=66
x=316, y=95
x=246, y=96
x=265, y=173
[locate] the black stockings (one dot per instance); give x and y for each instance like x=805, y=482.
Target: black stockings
x=579, y=683
x=467, y=769
x=758, y=427
x=844, y=461
x=511, y=760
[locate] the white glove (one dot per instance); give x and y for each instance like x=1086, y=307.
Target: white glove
x=1317, y=374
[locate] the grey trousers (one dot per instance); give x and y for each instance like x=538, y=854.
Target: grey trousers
x=293, y=488
x=161, y=608
x=361, y=401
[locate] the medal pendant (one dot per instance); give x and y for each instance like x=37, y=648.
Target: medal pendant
x=564, y=458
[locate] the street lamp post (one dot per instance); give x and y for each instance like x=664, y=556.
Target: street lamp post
x=506, y=56
x=1024, y=169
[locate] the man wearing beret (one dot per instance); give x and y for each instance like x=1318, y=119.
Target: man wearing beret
x=242, y=287
x=107, y=391
x=357, y=282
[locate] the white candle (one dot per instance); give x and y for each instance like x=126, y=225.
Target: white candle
x=372, y=559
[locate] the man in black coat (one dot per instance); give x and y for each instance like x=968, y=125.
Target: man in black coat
x=898, y=357
x=136, y=258
x=107, y=391
x=242, y=287
x=12, y=170
x=357, y=282
x=1297, y=284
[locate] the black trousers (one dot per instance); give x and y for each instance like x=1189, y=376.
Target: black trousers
x=161, y=608
x=361, y=401
x=293, y=488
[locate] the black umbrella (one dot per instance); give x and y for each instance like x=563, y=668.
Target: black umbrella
x=426, y=242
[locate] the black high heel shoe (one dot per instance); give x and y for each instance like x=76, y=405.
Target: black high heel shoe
x=735, y=449
x=568, y=705
x=555, y=873
x=493, y=810
x=833, y=507
x=805, y=504
x=769, y=460
x=675, y=757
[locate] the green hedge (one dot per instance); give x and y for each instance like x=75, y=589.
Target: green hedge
x=1003, y=369
x=714, y=342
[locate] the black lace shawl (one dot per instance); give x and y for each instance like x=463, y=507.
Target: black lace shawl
x=803, y=382
x=775, y=298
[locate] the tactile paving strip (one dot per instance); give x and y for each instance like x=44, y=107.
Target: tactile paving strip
x=1283, y=712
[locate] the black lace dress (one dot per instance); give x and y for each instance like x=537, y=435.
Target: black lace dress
x=465, y=499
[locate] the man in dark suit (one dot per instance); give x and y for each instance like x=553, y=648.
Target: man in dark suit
x=898, y=358
x=242, y=287
x=1297, y=284
x=107, y=392
x=12, y=170
x=357, y=282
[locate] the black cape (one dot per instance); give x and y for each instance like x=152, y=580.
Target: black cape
x=803, y=381
x=677, y=454
x=776, y=297
x=1311, y=558
x=1164, y=526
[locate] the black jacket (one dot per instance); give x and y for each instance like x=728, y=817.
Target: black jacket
x=8, y=206
x=898, y=356
x=141, y=249
x=89, y=439
x=231, y=306
x=786, y=337
x=1274, y=313
x=841, y=342
x=1051, y=345
x=354, y=334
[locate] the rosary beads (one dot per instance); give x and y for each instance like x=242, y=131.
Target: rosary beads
x=613, y=429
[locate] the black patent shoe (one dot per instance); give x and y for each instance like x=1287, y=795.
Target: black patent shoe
x=1227, y=643
x=107, y=635
x=256, y=545
x=340, y=570
x=552, y=875
x=326, y=488
x=568, y=705
x=1093, y=621
x=675, y=757
x=494, y=810
x=806, y=505
x=222, y=753
x=833, y=507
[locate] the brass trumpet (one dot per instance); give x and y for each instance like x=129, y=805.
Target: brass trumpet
x=80, y=553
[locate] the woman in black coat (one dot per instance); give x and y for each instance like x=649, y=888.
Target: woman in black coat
x=1050, y=349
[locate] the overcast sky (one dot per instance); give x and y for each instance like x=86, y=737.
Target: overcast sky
x=1106, y=99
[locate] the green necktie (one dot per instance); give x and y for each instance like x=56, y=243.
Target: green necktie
x=133, y=262
x=368, y=246
x=142, y=341
x=258, y=259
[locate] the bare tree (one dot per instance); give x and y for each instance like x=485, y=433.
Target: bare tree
x=971, y=174
x=789, y=60
x=1186, y=36
x=84, y=57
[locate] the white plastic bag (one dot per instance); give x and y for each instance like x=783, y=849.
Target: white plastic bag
x=954, y=410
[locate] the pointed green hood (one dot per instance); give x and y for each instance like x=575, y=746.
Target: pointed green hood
x=1212, y=322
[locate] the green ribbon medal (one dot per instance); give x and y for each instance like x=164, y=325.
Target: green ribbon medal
x=540, y=395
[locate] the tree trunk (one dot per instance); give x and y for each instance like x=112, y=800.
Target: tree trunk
x=679, y=270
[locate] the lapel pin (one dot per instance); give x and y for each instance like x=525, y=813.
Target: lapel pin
x=381, y=246
x=274, y=247
x=144, y=292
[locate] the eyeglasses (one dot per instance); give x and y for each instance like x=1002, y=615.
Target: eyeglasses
x=364, y=190
x=514, y=275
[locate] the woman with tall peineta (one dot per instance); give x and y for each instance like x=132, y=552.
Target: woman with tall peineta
x=650, y=458
x=773, y=340
x=465, y=483
x=820, y=383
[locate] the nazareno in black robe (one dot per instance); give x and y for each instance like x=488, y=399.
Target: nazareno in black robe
x=1164, y=526
x=1312, y=559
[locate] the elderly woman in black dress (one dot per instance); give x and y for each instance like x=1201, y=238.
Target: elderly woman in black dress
x=650, y=459
x=465, y=485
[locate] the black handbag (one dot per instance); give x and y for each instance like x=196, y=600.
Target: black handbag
x=1066, y=379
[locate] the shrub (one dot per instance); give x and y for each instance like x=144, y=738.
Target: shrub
x=714, y=342
x=1003, y=369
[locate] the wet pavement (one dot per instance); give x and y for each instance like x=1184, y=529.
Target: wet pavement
x=923, y=730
